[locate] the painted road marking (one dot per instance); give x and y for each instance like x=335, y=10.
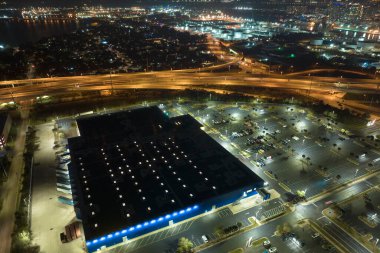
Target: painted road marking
x=150, y=239
x=285, y=187
x=359, y=144
x=352, y=161
x=224, y=213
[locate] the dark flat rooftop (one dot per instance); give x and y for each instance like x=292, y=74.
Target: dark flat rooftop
x=134, y=166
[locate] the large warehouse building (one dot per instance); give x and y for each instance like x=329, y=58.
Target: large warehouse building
x=136, y=171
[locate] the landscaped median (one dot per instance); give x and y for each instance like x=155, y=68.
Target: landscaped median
x=238, y=250
x=285, y=187
x=270, y=175
x=259, y=242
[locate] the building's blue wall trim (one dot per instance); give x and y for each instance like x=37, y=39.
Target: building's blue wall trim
x=178, y=216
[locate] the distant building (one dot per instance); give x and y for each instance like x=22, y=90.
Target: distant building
x=344, y=11
x=5, y=127
x=134, y=172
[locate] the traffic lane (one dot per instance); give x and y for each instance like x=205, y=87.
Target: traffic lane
x=351, y=244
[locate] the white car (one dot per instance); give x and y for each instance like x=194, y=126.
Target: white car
x=315, y=235
x=204, y=238
x=272, y=250
x=266, y=244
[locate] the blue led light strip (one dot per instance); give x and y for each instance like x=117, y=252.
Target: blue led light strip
x=144, y=225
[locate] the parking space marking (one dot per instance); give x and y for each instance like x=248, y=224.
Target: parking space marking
x=375, y=151
x=359, y=144
x=246, y=222
x=198, y=242
x=212, y=236
x=163, y=234
x=139, y=242
x=147, y=240
x=224, y=213
x=352, y=161
x=188, y=225
x=154, y=236
x=175, y=229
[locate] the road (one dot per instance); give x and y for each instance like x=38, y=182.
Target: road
x=221, y=81
x=32, y=88
x=347, y=241
x=10, y=189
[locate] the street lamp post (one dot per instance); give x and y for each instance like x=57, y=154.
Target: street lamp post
x=375, y=244
x=11, y=92
x=112, y=91
x=311, y=82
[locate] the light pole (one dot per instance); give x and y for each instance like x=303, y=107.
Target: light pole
x=111, y=82
x=11, y=92
x=311, y=81
x=375, y=244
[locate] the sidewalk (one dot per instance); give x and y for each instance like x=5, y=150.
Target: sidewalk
x=10, y=189
x=250, y=202
x=49, y=216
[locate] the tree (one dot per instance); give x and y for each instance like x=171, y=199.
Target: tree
x=239, y=224
x=287, y=228
x=184, y=245
x=338, y=177
x=219, y=231
x=280, y=229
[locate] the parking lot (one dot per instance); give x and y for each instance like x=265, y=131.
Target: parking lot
x=49, y=216
x=299, y=239
x=297, y=152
